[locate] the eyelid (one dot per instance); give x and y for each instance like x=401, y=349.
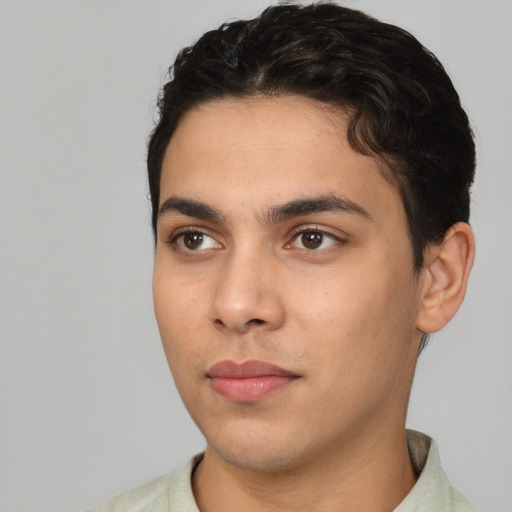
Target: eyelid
x=185, y=230
x=338, y=238
x=292, y=236
x=306, y=228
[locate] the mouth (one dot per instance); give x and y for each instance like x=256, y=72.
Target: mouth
x=250, y=381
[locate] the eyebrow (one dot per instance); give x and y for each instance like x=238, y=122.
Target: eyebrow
x=276, y=214
x=190, y=208
x=308, y=206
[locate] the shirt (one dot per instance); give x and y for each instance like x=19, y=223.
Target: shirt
x=173, y=493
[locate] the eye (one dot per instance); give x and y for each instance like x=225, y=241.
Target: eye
x=194, y=241
x=313, y=240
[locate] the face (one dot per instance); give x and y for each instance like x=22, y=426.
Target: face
x=284, y=287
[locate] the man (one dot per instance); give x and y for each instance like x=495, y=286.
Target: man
x=309, y=180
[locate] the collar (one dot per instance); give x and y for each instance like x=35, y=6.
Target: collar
x=431, y=493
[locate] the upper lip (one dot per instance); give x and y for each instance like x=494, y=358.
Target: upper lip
x=247, y=369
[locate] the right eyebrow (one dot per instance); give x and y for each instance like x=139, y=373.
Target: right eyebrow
x=190, y=208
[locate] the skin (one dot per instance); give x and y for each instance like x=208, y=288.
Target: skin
x=329, y=295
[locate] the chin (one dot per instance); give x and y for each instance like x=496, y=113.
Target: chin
x=256, y=459
x=257, y=449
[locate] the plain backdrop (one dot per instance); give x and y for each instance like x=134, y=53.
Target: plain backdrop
x=87, y=405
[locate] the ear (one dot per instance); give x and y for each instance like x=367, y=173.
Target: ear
x=444, y=278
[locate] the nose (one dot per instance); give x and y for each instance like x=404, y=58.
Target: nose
x=247, y=295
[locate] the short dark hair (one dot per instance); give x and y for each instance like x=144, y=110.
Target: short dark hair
x=402, y=105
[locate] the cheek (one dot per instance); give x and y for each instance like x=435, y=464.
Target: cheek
x=364, y=315
x=178, y=310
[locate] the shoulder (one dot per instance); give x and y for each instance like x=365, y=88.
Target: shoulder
x=459, y=503
x=432, y=491
x=170, y=492
x=152, y=496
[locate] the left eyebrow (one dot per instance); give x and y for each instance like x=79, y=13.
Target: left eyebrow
x=308, y=206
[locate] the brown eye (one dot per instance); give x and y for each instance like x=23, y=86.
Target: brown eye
x=193, y=241
x=312, y=239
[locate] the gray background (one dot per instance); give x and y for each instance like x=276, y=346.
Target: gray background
x=87, y=405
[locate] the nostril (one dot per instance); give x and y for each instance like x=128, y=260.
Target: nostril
x=253, y=321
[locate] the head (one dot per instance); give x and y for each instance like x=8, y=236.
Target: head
x=401, y=104
x=309, y=178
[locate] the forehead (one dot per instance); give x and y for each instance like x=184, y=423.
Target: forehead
x=258, y=121
x=270, y=148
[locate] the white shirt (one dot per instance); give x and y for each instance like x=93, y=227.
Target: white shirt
x=173, y=493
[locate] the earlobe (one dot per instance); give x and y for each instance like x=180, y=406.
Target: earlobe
x=444, y=278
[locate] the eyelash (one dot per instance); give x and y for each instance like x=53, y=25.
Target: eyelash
x=302, y=230
x=294, y=236
x=180, y=234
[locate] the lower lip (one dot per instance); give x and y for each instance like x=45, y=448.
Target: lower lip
x=250, y=389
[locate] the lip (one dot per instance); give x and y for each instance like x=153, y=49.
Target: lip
x=249, y=381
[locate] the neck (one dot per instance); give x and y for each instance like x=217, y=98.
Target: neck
x=353, y=477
